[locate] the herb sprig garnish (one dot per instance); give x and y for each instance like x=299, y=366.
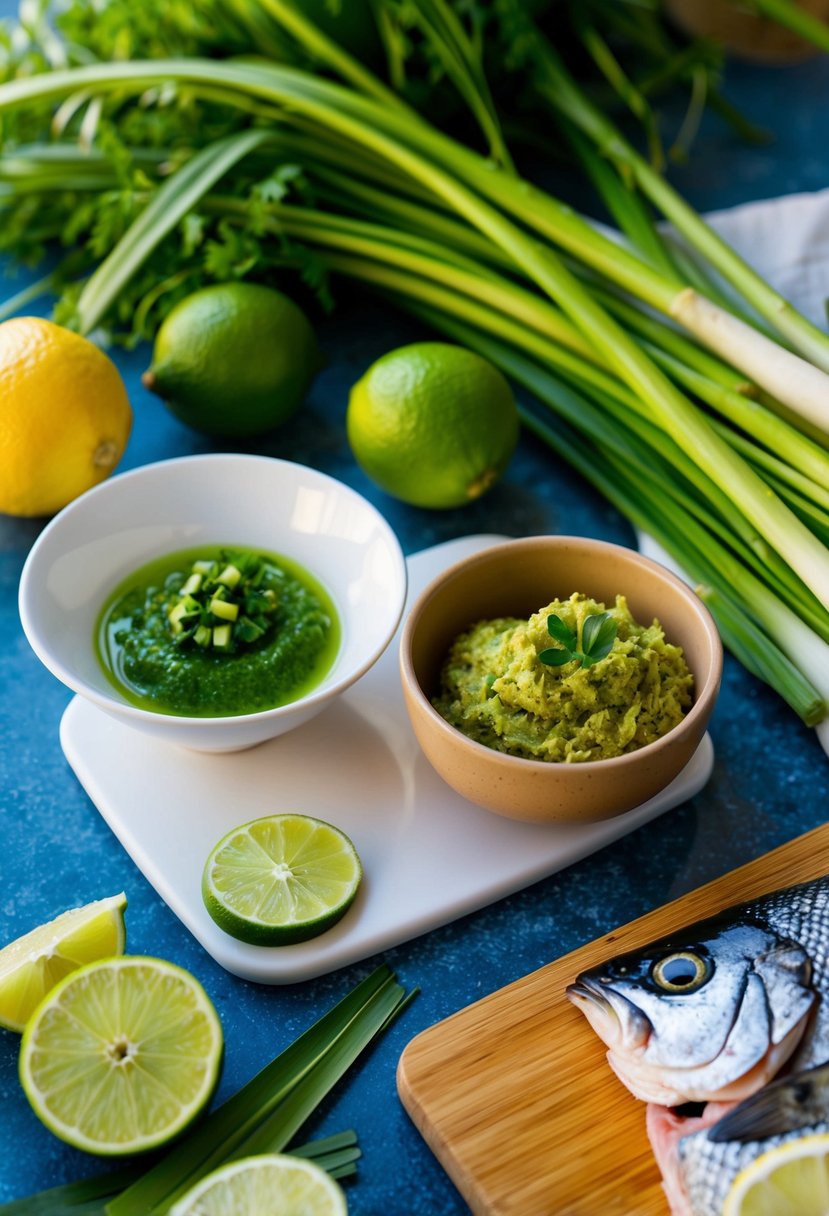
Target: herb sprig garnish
x=597, y=637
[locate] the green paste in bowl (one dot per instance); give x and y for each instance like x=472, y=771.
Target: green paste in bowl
x=495, y=689
x=175, y=639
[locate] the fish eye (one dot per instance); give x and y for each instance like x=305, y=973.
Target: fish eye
x=682, y=972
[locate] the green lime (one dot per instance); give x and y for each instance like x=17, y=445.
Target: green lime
x=121, y=1055
x=234, y=360
x=33, y=964
x=280, y=879
x=432, y=424
x=261, y=1185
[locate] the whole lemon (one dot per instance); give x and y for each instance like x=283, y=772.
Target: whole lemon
x=432, y=424
x=65, y=417
x=234, y=359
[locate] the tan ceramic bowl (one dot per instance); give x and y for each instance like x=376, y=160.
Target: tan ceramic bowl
x=517, y=578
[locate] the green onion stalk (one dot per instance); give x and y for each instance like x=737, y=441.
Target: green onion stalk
x=468, y=241
x=424, y=155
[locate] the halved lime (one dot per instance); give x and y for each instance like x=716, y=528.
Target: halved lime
x=33, y=964
x=271, y=1182
x=280, y=879
x=121, y=1055
x=791, y=1179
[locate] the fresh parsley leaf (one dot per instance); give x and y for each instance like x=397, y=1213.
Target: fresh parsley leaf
x=561, y=632
x=597, y=637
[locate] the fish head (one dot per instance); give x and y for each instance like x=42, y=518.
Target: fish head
x=708, y=1014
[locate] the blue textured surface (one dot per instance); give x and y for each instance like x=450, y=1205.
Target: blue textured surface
x=771, y=779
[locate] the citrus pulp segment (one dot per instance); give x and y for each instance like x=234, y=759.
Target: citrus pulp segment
x=281, y=879
x=121, y=1055
x=260, y=1186
x=33, y=964
x=791, y=1179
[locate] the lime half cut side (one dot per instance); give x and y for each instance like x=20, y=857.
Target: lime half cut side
x=121, y=1055
x=271, y=1182
x=791, y=1179
x=33, y=964
x=281, y=879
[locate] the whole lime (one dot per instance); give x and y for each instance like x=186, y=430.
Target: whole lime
x=235, y=359
x=432, y=424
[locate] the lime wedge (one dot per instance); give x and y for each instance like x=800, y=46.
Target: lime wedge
x=280, y=879
x=33, y=964
x=791, y=1179
x=121, y=1055
x=271, y=1182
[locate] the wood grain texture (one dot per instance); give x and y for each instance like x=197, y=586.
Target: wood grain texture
x=514, y=1096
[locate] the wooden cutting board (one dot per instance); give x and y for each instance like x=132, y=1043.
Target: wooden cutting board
x=514, y=1096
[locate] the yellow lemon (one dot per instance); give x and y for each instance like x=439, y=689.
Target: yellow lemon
x=791, y=1179
x=432, y=424
x=64, y=416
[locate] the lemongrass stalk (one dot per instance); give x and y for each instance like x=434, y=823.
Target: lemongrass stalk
x=316, y=100
x=806, y=458
x=356, y=117
x=672, y=341
x=327, y=51
x=170, y=203
x=782, y=374
x=786, y=376
x=745, y=640
x=812, y=516
x=625, y=207
x=562, y=91
x=816, y=492
x=447, y=37
x=372, y=202
x=338, y=108
x=404, y=288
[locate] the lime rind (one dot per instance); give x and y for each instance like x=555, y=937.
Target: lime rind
x=281, y=879
x=269, y=1182
x=121, y=1055
x=31, y=965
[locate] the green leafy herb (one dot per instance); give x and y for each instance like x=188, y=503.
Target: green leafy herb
x=598, y=634
x=224, y=605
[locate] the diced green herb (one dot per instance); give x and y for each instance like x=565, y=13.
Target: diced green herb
x=222, y=606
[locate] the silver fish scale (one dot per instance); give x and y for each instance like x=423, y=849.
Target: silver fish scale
x=709, y=1169
x=802, y=914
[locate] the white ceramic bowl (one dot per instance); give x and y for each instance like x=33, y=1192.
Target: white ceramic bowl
x=254, y=501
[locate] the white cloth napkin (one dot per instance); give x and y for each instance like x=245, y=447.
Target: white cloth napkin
x=787, y=241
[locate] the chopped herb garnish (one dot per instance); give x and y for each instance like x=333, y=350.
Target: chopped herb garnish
x=222, y=606
x=597, y=637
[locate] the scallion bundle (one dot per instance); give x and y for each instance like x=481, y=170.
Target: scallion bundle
x=679, y=383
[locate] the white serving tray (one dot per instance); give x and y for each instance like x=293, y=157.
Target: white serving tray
x=428, y=855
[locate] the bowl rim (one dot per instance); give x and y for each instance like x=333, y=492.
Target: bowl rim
x=182, y=722
x=703, y=700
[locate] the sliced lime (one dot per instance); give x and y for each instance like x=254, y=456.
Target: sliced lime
x=280, y=879
x=33, y=964
x=121, y=1055
x=255, y=1186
